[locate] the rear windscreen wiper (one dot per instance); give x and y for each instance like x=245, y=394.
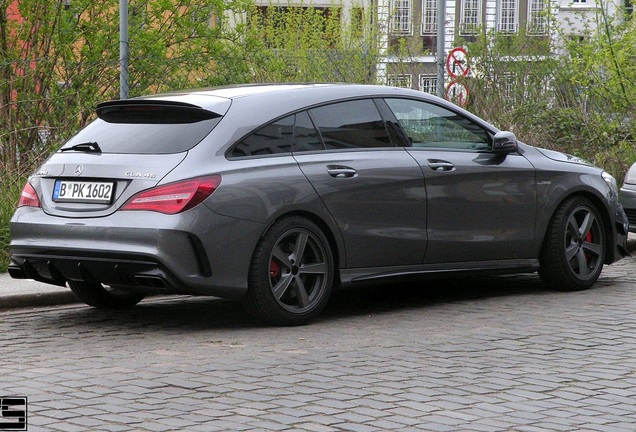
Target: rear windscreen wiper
x=88, y=147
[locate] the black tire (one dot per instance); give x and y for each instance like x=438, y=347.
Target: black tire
x=291, y=274
x=94, y=294
x=574, y=247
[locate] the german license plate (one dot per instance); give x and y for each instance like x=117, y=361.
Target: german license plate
x=83, y=191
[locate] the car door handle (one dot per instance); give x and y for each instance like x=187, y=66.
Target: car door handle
x=440, y=165
x=338, y=171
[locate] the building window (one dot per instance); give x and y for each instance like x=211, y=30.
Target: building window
x=508, y=16
x=275, y=21
x=509, y=86
x=401, y=17
x=537, y=19
x=429, y=16
x=577, y=39
x=428, y=84
x=400, y=80
x=357, y=19
x=470, y=17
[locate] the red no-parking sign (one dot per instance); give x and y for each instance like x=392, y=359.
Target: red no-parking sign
x=457, y=93
x=457, y=62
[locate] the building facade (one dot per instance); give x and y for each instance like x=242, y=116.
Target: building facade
x=410, y=49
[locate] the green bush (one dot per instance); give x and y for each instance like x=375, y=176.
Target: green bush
x=576, y=100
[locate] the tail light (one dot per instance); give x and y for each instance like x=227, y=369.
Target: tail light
x=28, y=197
x=175, y=197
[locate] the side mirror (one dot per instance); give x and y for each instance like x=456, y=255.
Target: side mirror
x=504, y=142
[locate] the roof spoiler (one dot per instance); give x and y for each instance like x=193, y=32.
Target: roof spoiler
x=152, y=111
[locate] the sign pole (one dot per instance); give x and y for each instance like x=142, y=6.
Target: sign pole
x=123, y=49
x=441, y=26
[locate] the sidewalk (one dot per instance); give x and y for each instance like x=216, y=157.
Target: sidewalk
x=19, y=293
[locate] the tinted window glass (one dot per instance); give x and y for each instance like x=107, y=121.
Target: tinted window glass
x=274, y=138
x=144, y=138
x=306, y=137
x=152, y=112
x=428, y=125
x=354, y=124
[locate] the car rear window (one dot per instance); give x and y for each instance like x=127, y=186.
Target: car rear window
x=147, y=128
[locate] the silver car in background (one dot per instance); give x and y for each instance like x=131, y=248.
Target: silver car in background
x=275, y=194
x=628, y=197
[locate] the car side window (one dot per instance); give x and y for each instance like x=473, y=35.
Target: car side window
x=306, y=136
x=352, y=124
x=429, y=125
x=274, y=138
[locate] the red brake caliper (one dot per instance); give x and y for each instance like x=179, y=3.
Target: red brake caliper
x=588, y=239
x=274, y=270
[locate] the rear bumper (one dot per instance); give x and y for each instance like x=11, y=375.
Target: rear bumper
x=136, y=273
x=143, y=252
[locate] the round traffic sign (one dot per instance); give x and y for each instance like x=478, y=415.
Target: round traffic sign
x=457, y=93
x=457, y=62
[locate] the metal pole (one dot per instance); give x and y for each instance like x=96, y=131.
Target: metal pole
x=123, y=49
x=441, y=28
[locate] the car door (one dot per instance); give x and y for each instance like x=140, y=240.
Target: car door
x=481, y=205
x=373, y=189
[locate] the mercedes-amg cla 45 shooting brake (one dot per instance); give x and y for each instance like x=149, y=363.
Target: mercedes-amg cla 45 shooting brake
x=274, y=194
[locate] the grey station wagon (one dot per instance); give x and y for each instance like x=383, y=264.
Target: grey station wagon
x=274, y=194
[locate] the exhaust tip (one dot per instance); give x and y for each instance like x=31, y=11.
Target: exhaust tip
x=16, y=272
x=150, y=281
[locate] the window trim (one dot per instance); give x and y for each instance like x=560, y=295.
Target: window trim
x=401, y=21
x=513, y=25
x=431, y=77
x=398, y=77
x=537, y=23
x=470, y=28
x=428, y=22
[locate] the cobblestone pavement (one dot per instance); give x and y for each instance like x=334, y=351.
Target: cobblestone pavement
x=490, y=354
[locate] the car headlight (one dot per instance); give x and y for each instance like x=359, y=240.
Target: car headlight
x=630, y=177
x=611, y=182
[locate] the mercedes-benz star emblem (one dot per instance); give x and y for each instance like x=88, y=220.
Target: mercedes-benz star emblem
x=79, y=170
